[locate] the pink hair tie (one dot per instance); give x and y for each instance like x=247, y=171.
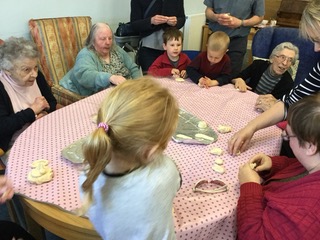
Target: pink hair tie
x=104, y=126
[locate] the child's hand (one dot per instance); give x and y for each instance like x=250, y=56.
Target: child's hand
x=202, y=82
x=183, y=74
x=211, y=83
x=175, y=72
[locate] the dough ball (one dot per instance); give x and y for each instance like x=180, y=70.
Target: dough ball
x=202, y=124
x=224, y=129
x=216, y=151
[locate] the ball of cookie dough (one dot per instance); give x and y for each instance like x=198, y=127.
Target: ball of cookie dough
x=202, y=124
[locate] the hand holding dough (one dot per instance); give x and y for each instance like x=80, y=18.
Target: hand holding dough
x=40, y=172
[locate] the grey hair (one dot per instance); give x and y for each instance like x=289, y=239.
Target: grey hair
x=285, y=45
x=310, y=20
x=14, y=49
x=89, y=43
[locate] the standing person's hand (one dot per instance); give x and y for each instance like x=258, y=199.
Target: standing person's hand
x=227, y=20
x=117, y=79
x=39, y=104
x=6, y=189
x=172, y=21
x=159, y=19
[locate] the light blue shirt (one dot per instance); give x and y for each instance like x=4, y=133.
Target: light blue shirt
x=242, y=9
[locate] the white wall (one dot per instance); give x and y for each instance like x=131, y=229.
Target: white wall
x=15, y=14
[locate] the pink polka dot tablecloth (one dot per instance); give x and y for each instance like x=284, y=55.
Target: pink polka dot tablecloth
x=197, y=215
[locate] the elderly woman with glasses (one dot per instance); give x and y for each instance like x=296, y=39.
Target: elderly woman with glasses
x=270, y=77
x=310, y=29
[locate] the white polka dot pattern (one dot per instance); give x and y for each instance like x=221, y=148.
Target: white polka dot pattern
x=197, y=215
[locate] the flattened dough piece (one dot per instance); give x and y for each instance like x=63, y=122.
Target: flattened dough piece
x=216, y=151
x=179, y=79
x=218, y=161
x=219, y=168
x=40, y=172
x=203, y=136
x=224, y=129
x=182, y=136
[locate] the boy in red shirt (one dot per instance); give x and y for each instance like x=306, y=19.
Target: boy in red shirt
x=172, y=62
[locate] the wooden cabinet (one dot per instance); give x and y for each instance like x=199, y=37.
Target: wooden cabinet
x=290, y=12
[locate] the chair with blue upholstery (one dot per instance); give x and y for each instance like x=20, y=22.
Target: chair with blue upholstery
x=266, y=39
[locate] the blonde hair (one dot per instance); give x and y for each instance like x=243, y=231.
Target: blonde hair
x=310, y=20
x=218, y=41
x=140, y=114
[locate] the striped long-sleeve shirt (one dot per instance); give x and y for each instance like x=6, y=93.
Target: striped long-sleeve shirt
x=310, y=85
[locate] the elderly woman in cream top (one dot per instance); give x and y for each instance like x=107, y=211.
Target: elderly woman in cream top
x=99, y=64
x=24, y=93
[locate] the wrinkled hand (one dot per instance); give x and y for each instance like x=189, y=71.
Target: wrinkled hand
x=159, y=19
x=262, y=161
x=39, y=104
x=6, y=189
x=172, y=21
x=117, y=79
x=247, y=174
x=264, y=102
x=240, y=141
x=41, y=114
x=240, y=84
x=225, y=19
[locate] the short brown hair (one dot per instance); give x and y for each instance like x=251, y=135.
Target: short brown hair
x=304, y=118
x=172, y=33
x=218, y=41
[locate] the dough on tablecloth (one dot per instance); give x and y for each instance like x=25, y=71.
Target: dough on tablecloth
x=40, y=172
x=219, y=168
x=218, y=161
x=203, y=136
x=202, y=125
x=179, y=79
x=224, y=129
x=216, y=151
x=183, y=136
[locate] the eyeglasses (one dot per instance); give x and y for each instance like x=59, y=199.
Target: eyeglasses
x=282, y=58
x=222, y=187
x=285, y=136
